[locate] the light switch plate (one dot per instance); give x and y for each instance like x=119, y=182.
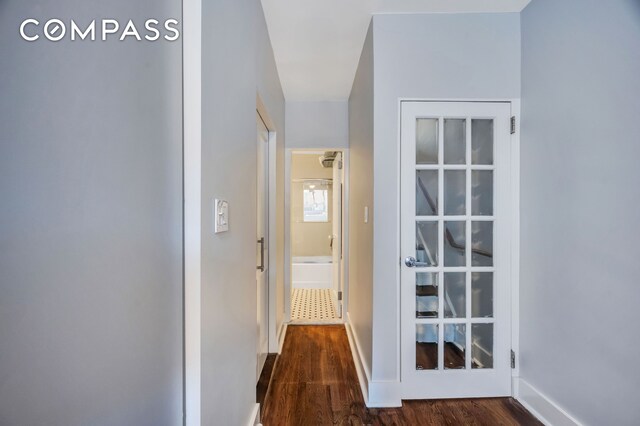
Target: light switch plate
x=366, y=214
x=221, y=216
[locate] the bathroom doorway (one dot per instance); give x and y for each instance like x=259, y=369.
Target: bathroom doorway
x=317, y=202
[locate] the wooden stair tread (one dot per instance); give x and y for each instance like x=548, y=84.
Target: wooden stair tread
x=426, y=290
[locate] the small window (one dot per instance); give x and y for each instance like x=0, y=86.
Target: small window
x=316, y=203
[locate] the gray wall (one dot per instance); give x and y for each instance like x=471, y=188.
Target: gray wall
x=90, y=222
x=431, y=56
x=361, y=195
x=236, y=62
x=580, y=206
x=323, y=124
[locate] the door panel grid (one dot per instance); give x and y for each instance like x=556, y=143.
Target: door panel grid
x=455, y=298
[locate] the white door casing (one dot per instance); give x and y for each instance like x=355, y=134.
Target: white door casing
x=336, y=237
x=262, y=244
x=455, y=222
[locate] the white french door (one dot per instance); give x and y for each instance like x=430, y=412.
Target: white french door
x=262, y=240
x=455, y=290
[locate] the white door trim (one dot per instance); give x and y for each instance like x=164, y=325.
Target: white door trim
x=272, y=225
x=513, y=219
x=262, y=236
x=515, y=240
x=287, y=227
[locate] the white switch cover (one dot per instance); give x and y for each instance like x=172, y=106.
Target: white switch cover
x=366, y=214
x=221, y=216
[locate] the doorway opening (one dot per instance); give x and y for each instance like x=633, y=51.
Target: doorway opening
x=316, y=216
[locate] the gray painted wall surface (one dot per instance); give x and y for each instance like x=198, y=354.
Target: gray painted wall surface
x=431, y=56
x=361, y=195
x=580, y=206
x=90, y=222
x=234, y=66
x=318, y=124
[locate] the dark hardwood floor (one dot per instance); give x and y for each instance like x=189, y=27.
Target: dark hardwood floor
x=427, y=356
x=315, y=383
x=265, y=379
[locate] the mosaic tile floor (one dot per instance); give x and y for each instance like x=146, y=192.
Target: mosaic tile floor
x=312, y=305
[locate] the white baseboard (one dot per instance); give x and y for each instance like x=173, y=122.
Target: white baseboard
x=364, y=375
x=383, y=394
x=541, y=406
x=376, y=393
x=281, y=335
x=254, y=417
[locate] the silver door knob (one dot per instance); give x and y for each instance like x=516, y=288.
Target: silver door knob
x=410, y=261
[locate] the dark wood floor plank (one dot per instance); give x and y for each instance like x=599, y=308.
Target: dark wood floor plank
x=315, y=383
x=318, y=401
x=265, y=378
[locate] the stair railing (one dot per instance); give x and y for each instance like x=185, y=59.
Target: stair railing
x=447, y=234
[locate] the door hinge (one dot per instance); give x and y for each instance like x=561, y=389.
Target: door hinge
x=513, y=359
x=340, y=165
x=339, y=295
x=513, y=125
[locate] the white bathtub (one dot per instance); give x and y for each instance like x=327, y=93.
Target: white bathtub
x=311, y=272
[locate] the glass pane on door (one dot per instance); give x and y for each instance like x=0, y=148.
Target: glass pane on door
x=426, y=192
x=482, y=243
x=482, y=345
x=455, y=304
x=455, y=341
x=455, y=192
x=455, y=140
x=427, y=243
x=426, y=294
x=482, y=192
x=482, y=294
x=427, y=346
x=427, y=141
x=482, y=141
x=455, y=243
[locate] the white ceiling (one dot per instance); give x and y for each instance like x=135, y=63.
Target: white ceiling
x=317, y=43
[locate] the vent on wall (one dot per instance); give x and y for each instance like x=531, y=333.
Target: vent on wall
x=327, y=159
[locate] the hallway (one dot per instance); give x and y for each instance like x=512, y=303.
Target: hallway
x=428, y=205
x=315, y=383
